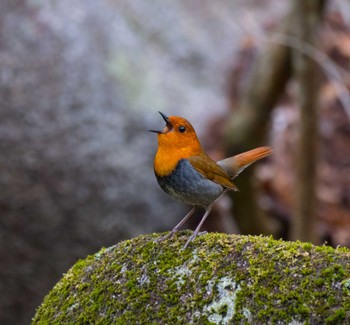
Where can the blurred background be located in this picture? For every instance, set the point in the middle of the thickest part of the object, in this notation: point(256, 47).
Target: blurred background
point(81, 83)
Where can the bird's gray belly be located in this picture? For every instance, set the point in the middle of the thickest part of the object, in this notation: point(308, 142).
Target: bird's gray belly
point(187, 185)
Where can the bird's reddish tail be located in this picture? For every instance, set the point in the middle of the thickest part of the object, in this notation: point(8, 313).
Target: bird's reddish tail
point(234, 165)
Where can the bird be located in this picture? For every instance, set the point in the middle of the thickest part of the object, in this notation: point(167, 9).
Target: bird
point(187, 173)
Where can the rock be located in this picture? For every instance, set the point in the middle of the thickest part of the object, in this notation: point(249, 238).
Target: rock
point(219, 279)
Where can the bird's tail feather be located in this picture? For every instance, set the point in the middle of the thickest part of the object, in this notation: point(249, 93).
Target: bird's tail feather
point(234, 165)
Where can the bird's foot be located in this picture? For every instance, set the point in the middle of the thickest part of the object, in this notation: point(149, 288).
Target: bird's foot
point(167, 236)
point(193, 237)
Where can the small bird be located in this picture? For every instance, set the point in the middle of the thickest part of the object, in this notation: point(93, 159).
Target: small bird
point(185, 171)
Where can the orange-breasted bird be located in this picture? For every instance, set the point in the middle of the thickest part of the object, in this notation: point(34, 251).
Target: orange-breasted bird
point(185, 171)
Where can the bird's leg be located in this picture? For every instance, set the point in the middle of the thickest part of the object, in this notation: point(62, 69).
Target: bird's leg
point(194, 235)
point(187, 216)
point(178, 226)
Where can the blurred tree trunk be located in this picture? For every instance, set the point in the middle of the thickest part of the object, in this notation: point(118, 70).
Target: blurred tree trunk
point(308, 15)
point(248, 126)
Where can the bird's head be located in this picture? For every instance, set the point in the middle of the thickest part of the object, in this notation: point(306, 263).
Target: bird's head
point(178, 134)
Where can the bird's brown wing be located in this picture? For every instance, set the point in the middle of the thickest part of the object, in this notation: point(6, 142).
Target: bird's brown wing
point(234, 165)
point(209, 169)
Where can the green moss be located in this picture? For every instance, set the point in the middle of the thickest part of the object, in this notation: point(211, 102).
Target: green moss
point(346, 284)
point(337, 317)
point(219, 279)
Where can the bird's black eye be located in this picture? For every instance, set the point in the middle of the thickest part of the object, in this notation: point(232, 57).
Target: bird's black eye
point(182, 129)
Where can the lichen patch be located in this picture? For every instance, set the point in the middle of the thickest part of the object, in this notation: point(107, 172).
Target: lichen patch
point(222, 309)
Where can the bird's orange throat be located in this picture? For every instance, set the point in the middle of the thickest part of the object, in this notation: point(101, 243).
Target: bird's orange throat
point(170, 152)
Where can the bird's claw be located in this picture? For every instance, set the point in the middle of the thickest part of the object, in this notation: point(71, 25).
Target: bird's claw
point(174, 231)
point(188, 242)
point(167, 236)
point(193, 237)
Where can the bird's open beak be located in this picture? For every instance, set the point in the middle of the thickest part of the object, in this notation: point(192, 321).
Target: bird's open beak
point(167, 127)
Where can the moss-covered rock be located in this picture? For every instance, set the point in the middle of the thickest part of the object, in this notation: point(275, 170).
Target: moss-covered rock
point(219, 279)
